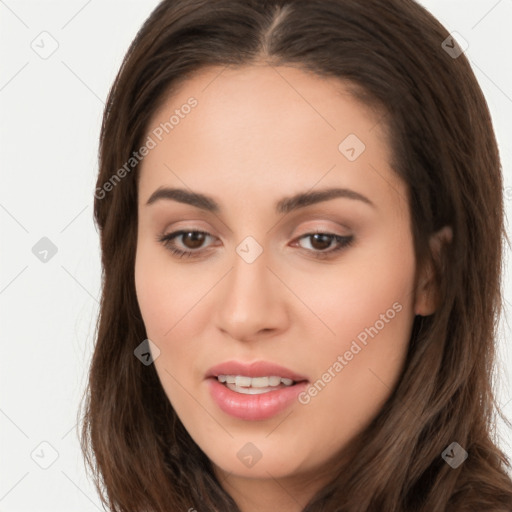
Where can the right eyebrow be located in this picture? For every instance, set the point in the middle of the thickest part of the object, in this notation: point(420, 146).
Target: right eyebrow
point(184, 196)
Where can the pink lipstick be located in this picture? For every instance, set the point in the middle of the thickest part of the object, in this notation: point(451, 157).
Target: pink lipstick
point(254, 391)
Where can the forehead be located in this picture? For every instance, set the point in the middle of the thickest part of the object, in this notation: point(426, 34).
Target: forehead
point(268, 127)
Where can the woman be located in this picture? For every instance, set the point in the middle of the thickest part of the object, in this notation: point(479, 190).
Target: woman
point(301, 216)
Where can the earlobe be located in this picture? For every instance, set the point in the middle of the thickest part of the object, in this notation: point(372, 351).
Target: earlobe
point(427, 289)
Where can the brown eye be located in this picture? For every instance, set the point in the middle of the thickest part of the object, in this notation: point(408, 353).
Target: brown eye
point(325, 245)
point(321, 241)
point(185, 243)
point(191, 244)
point(193, 239)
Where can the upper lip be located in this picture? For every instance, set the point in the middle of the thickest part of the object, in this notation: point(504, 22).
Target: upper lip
point(254, 369)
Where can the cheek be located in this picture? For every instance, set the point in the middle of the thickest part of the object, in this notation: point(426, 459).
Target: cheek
point(163, 303)
point(173, 305)
point(153, 295)
point(165, 296)
point(370, 311)
point(369, 289)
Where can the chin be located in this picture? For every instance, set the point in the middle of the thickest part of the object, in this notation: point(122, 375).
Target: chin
point(245, 459)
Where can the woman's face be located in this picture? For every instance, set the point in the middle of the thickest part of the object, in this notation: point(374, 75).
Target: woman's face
point(251, 158)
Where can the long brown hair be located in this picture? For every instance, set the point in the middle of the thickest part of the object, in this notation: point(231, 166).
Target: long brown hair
point(444, 148)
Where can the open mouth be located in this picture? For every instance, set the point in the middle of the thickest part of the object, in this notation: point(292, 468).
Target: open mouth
point(254, 385)
point(254, 391)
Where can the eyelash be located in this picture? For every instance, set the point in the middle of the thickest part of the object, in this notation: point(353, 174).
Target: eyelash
point(168, 242)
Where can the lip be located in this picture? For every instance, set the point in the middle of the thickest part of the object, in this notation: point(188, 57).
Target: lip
point(254, 407)
point(255, 369)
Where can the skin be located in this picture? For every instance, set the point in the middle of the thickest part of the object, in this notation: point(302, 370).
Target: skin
point(287, 306)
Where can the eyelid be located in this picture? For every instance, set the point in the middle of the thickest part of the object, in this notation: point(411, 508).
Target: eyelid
point(341, 242)
point(168, 237)
point(322, 229)
point(337, 230)
point(305, 230)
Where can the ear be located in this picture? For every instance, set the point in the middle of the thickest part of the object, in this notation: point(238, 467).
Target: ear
point(427, 289)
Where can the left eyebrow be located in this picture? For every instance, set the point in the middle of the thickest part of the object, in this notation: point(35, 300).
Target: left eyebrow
point(304, 199)
point(285, 205)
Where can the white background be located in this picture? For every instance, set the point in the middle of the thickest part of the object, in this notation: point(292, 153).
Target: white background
point(50, 119)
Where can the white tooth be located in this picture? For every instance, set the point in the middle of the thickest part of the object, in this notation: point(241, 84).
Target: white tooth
point(249, 391)
point(261, 382)
point(242, 381)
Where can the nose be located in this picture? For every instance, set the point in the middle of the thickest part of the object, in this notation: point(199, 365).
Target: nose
point(252, 301)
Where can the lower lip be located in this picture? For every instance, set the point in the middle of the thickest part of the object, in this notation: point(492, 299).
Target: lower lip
point(254, 407)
